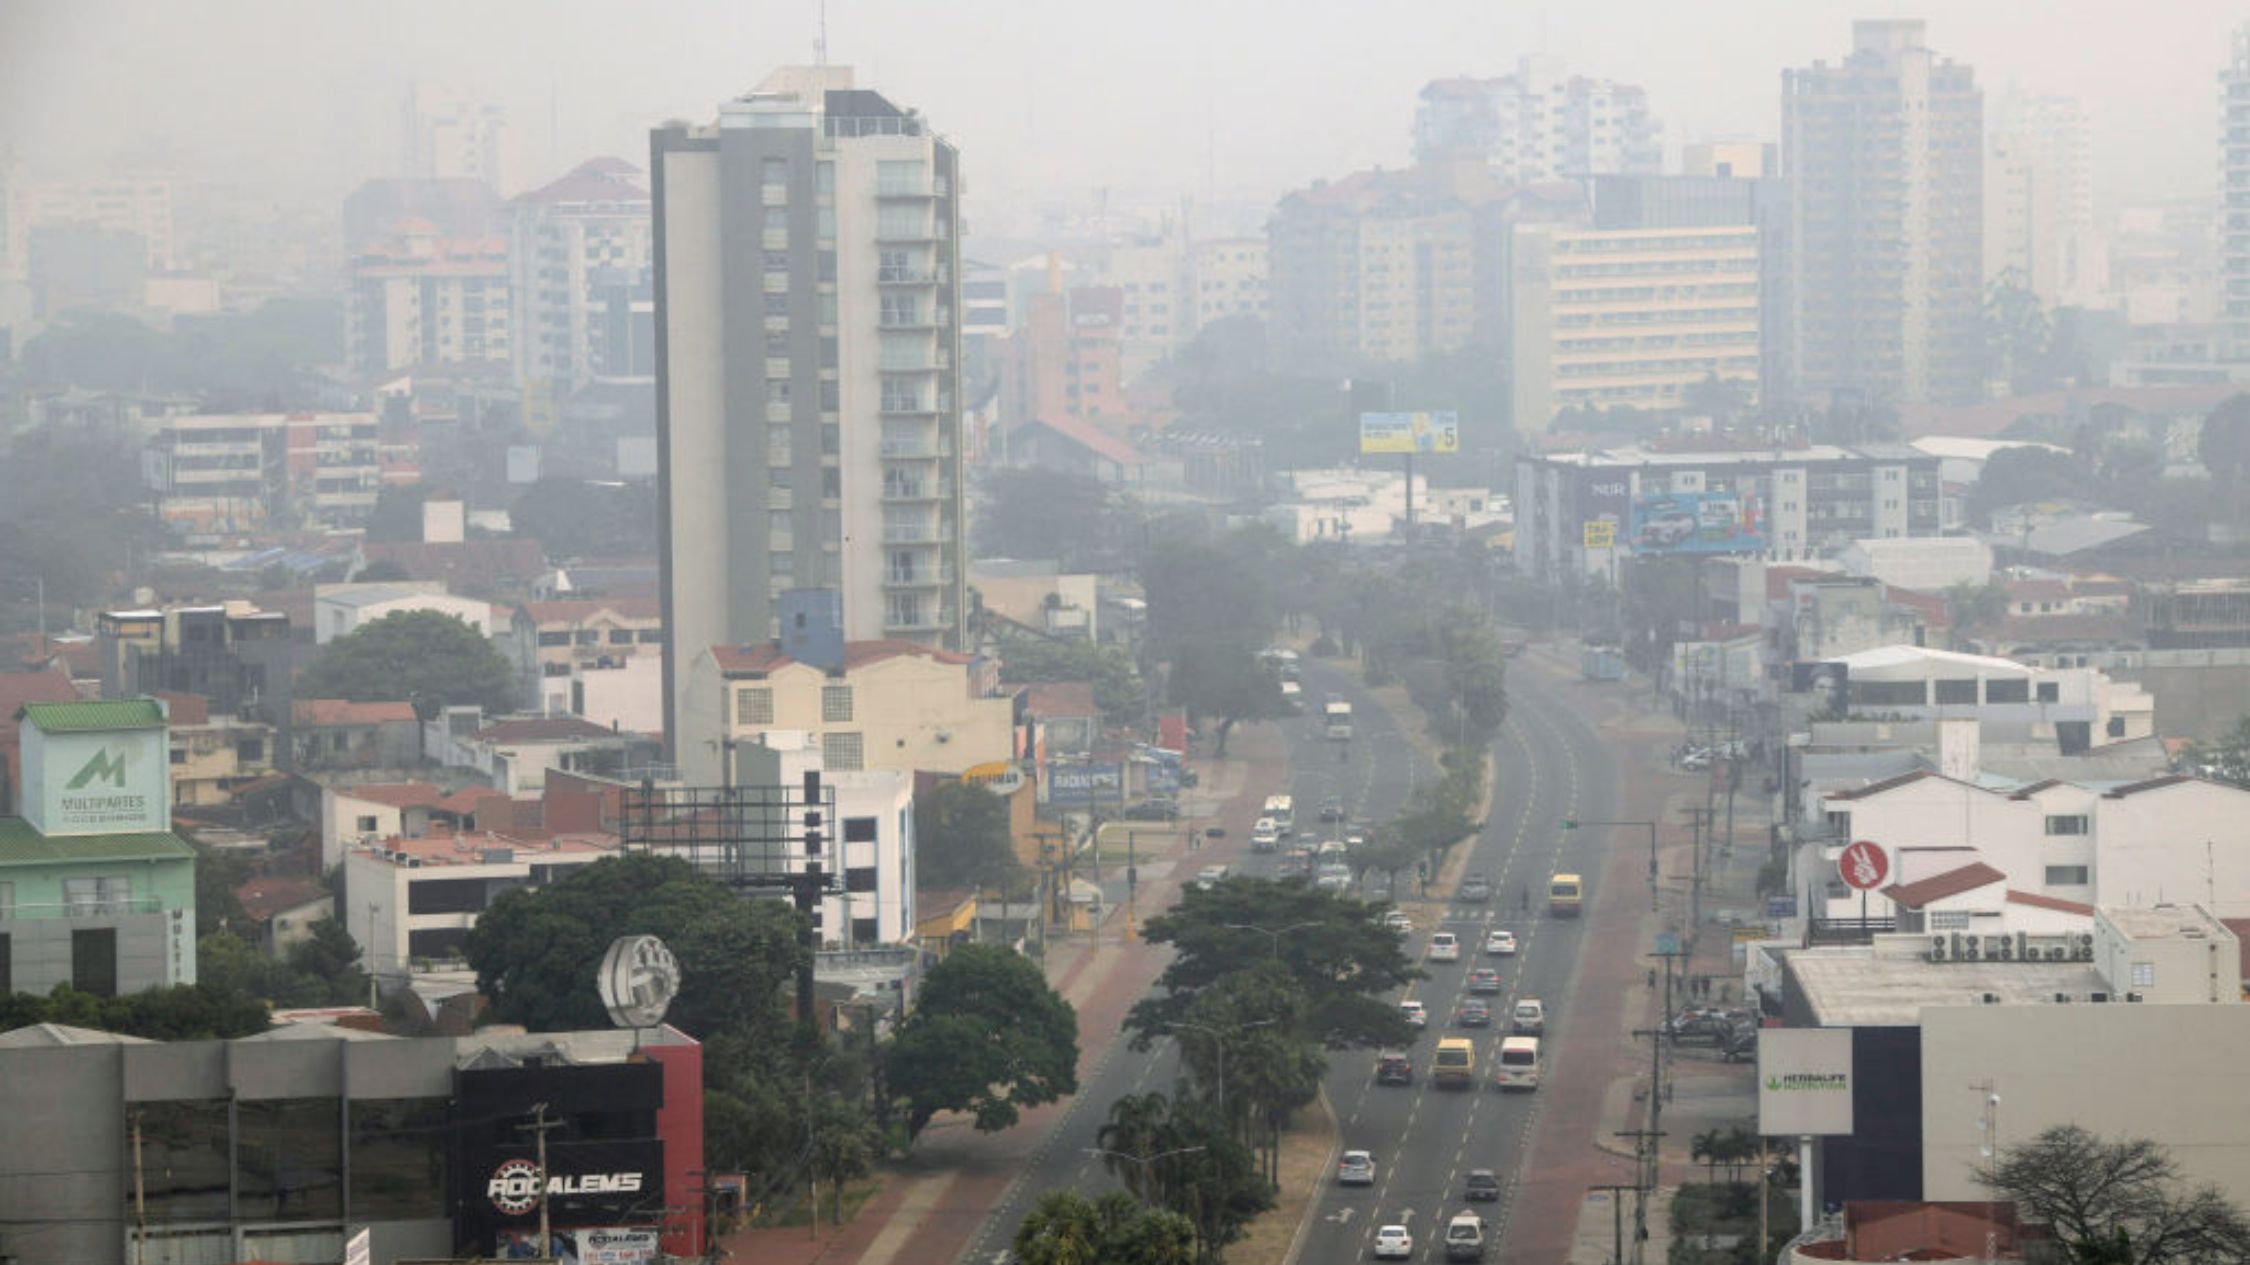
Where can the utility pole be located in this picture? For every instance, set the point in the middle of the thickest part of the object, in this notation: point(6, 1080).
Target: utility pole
point(1645, 1142)
point(538, 1129)
point(1616, 1220)
point(140, 1196)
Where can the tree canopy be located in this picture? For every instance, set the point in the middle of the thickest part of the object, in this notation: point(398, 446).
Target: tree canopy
point(962, 838)
point(409, 654)
point(2121, 1201)
point(1066, 1228)
point(1072, 519)
point(1211, 608)
point(2018, 476)
point(264, 359)
point(1118, 689)
point(321, 971)
point(988, 1037)
point(184, 1012)
point(2225, 760)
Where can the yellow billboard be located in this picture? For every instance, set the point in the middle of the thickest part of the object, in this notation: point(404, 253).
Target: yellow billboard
point(1409, 432)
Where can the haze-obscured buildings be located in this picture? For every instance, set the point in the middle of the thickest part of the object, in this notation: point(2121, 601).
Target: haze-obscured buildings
point(1538, 123)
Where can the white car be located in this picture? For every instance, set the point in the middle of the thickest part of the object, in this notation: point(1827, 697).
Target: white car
point(1355, 1168)
point(1414, 1013)
point(1446, 947)
point(1397, 921)
point(1266, 834)
point(1393, 1243)
point(1500, 944)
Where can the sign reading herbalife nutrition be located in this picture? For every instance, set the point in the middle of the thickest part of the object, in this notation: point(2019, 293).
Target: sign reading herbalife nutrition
point(1804, 1081)
point(104, 782)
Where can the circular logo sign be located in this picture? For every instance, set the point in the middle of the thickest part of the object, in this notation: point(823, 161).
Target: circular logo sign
point(638, 980)
point(514, 1188)
point(1001, 777)
point(1863, 865)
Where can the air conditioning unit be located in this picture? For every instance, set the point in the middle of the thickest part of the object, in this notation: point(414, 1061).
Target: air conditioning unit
point(2062, 997)
point(2132, 996)
point(2097, 997)
point(2085, 939)
point(1969, 948)
point(1992, 999)
point(2057, 954)
point(1937, 950)
point(2085, 953)
point(2003, 948)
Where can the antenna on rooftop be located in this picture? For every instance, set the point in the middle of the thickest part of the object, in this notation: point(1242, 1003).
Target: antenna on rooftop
point(820, 37)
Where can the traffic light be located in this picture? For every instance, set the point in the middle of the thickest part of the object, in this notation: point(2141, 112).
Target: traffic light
point(1421, 869)
point(1570, 823)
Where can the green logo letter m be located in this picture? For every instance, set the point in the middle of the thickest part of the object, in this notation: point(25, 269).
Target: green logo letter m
point(108, 765)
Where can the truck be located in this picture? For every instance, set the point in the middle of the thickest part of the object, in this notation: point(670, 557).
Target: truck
point(1464, 1237)
point(1337, 715)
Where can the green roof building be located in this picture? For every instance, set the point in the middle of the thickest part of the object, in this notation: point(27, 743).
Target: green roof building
point(95, 889)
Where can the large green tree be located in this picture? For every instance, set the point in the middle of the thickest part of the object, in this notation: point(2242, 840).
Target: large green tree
point(184, 1012)
point(412, 654)
point(2225, 760)
point(1211, 608)
point(1175, 1154)
point(961, 837)
point(1073, 520)
point(1118, 689)
point(536, 949)
point(988, 1037)
point(1066, 1228)
point(2123, 1201)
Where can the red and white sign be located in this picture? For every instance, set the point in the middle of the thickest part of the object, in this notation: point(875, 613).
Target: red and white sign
point(1863, 865)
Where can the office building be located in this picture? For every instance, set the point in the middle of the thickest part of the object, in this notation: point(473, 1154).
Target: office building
point(450, 137)
point(417, 299)
point(221, 472)
point(1884, 154)
point(808, 378)
point(1538, 123)
point(2039, 201)
point(1230, 275)
point(2234, 191)
point(578, 280)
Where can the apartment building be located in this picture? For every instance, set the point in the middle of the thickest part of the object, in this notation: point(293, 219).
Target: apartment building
point(214, 754)
point(1230, 277)
point(418, 299)
point(808, 275)
point(414, 901)
point(450, 136)
point(222, 472)
point(236, 656)
point(547, 640)
point(1537, 123)
point(1884, 150)
point(2039, 201)
point(1066, 359)
point(582, 306)
point(874, 836)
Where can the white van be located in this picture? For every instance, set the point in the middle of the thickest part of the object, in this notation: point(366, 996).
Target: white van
point(1211, 877)
point(1265, 836)
point(1518, 1067)
point(1283, 810)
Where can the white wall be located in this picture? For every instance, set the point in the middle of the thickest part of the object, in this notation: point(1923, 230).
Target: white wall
point(339, 823)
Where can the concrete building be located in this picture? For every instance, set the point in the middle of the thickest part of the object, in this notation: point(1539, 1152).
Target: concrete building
point(1884, 151)
point(1929, 564)
point(2234, 191)
point(2039, 201)
point(1066, 359)
point(95, 889)
point(2077, 708)
point(1584, 512)
point(1538, 123)
point(841, 338)
point(1230, 275)
point(547, 640)
point(452, 137)
point(875, 705)
point(1157, 300)
point(136, 206)
point(515, 755)
point(334, 734)
point(282, 910)
point(418, 299)
point(414, 901)
point(237, 657)
point(234, 472)
point(214, 754)
point(875, 830)
point(343, 609)
point(579, 258)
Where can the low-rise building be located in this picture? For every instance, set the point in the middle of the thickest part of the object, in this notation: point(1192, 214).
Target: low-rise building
point(213, 753)
point(515, 754)
point(342, 609)
point(234, 654)
point(547, 640)
point(875, 833)
point(334, 734)
point(2079, 708)
point(413, 901)
point(282, 910)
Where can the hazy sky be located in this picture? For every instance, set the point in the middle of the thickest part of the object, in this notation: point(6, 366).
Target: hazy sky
point(1048, 98)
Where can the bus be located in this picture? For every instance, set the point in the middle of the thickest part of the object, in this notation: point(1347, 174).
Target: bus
point(1338, 717)
point(1565, 893)
point(1455, 1066)
point(1519, 1064)
point(1283, 810)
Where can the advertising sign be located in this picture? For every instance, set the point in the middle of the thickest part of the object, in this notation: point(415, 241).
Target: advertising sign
point(359, 1249)
point(1409, 432)
point(1804, 1081)
point(1697, 522)
point(105, 782)
point(1604, 501)
point(1081, 785)
point(618, 1246)
point(1830, 684)
point(1001, 777)
point(1863, 865)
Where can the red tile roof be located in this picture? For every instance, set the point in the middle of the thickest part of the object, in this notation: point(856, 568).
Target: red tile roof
point(395, 794)
point(2057, 903)
point(1937, 887)
point(262, 898)
point(322, 712)
point(18, 688)
point(595, 180)
point(577, 610)
point(544, 729)
point(2241, 929)
point(2149, 784)
point(1092, 438)
point(2038, 591)
point(857, 654)
point(186, 709)
point(1778, 579)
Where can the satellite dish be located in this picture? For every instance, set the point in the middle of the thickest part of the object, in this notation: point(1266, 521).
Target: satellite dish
point(639, 978)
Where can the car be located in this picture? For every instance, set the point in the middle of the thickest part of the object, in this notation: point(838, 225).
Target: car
point(1154, 808)
point(1265, 836)
point(1476, 888)
point(1500, 944)
point(1484, 979)
point(1393, 1243)
point(1356, 1168)
point(1474, 1013)
point(1397, 921)
point(1331, 810)
point(1393, 1068)
point(1211, 876)
point(1445, 947)
point(1483, 1186)
point(1415, 1013)
point(1700, 758)
point(1528, 1019)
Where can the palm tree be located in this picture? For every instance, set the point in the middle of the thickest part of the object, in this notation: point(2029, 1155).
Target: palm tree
point(1139, 1125)
point(1059, 1230)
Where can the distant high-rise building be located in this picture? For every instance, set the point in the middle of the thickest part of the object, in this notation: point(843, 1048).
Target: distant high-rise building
point(2234, 190)
point(1538, 124)
point(808, 367)
point(1230, 279)
point(2039, 201)
point(418, 299)
point(450, 137)
point(579, 281)
point(1884, 156)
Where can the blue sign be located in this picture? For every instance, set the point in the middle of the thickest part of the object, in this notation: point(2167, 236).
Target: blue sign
point(1697, 522)
point(1081, 785)
point(1781, 906)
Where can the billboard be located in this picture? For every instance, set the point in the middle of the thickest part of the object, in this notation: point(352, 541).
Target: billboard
point(1409, 432)
point(617, 1246)
point(1804, 1081)
point(1830, 684)
point(114, 781)
point(1604, 497)
point(1697, 522)
point(1082, 785)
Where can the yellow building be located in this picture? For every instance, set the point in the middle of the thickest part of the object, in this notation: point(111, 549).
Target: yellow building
point(885, 705)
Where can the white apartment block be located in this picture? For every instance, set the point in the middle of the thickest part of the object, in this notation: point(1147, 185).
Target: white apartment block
point(872, 838)
point(2039, 202)
point(579, 254)
point(450, 137)
point(342, 609)
point(1538, 123)
point(808, 387)
point(414, 901)
point(2079, 709)
point(421, 300)
point(1230, 279)
point(232, 471)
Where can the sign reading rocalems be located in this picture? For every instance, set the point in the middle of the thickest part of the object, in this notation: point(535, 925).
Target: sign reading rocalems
point(1804, 1081)
point(1863, 865)
point(513, 1187)
point(104, 782)
point(1409, 432)
point(1001, 777)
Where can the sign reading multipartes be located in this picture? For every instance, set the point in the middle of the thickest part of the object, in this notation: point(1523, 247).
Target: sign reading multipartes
point(1804, 1081)
point(104, 782)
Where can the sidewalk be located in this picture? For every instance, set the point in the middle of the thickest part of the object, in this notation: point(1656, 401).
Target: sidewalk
point(935, 1201)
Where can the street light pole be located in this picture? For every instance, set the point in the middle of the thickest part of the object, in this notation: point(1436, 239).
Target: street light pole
point(1219, 1044)
point(1274, 932)
point(1143, 1160)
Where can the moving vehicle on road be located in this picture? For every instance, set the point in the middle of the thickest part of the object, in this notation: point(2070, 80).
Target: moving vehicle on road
point(1518, 1067)
point(1473, 1013)
point(1464, 1237)
point(1455, 1066)
point(1265, 836)
point(1336, 718)
point(1397, 921)
point(1500, 944)
point(1356, 1168)
point(1445, 947)
point(1334, 876)
point(1483, 1186)
point(1211, 876)
point(1393, 1068)
point(1283, 810)
point(1393, 1243)
point(1528, 1019)
point(1565, 893)
point(1484, 980)
point(1415, 1014)
point(1476, 889)
point(1332, 809)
